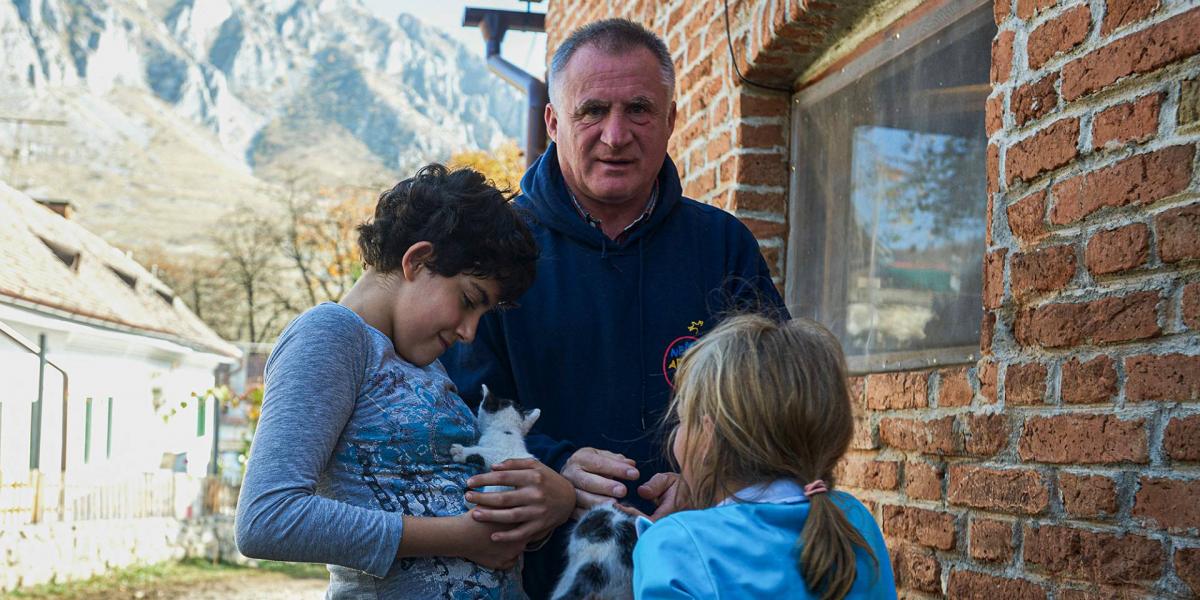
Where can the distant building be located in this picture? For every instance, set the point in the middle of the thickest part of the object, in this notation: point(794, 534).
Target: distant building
point(138, 361)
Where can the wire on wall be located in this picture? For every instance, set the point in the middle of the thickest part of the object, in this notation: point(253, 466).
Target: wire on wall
point(733, 59)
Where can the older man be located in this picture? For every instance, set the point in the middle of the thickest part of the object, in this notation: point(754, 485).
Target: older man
point(630, 274)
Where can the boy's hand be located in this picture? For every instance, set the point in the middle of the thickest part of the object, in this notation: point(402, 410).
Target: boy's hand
point(661, 490)
point(595, 474)
point(477, 545)
point(541, 501)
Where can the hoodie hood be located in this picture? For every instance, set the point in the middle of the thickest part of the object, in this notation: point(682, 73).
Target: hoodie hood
point(544, 192)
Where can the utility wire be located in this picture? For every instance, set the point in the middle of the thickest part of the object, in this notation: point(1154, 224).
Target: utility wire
point(733, 59)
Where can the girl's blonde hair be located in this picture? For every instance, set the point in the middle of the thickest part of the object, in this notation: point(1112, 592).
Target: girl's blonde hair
point(770, 399)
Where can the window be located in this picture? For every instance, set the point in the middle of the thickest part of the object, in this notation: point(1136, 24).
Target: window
point(889, 194)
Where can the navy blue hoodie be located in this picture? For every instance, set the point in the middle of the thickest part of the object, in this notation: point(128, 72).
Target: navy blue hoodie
point(594, 342)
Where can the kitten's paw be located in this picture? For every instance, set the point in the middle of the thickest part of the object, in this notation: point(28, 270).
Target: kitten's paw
point(458, 453)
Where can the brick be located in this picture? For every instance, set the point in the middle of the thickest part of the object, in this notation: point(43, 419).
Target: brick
point(1098, 592)
point(1137, 180)
point(1178, 233)
point(1187, 567)
point(987, 381)
point(761, 106)
point(701, 184)
point(1125, 318)
point(925, 527)
point(987, 330)
point(990, 540)
point(719, 145)
point(916, 568)
point(1035, 100)
point(1046, 150)
point(1117, 250)
point(758, 201)
point(1001, 9)
point(865, 473)
point(1091, 382)
point(1002, 56)
point(765, 230)
point(993, 278)
point(1181, 439)
point(1170, 377)
point(969, 585)
point(923, 481)
point(1093, 556)
point(935, 436)
point(985, 435)
point(1027, 217)
point(1025, 384)
point(1044, 270)
point(761, 169)
point(1169, 503)
point(1083, 439)
point(1109, 320)
point(1144, 51)
point(1190, 306)
point(857, 387)
point(1189, 103)
point(1058, 35)
point(760, 136)
point(993, 114)
point(1026, 9)
point(1088, 496)
point(993, 169)
point(1135, 121)
point(954, 389)
point(1020, 491)
point(897, 390)
point(1120, 13)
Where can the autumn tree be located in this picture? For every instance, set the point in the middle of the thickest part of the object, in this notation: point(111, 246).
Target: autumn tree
point(319, 240)
point(503, 165)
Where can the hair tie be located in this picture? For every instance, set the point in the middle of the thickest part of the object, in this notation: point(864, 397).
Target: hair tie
point(814, 488)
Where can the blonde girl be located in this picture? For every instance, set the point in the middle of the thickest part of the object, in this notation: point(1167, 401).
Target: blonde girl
point(764, 415)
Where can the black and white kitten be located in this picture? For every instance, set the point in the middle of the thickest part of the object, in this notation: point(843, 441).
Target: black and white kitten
point(502, 429)
point(599, 557)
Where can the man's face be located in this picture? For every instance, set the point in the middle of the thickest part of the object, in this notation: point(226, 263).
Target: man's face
point(612, 119)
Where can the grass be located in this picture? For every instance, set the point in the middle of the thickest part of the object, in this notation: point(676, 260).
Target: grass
point(145, 581)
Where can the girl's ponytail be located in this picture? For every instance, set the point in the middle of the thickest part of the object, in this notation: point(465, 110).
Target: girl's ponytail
point(828, 560)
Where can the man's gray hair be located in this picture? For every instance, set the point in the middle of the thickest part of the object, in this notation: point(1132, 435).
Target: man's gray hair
point(612, 36)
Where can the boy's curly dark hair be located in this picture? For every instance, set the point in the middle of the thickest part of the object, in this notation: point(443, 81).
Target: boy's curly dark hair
point(472, 226)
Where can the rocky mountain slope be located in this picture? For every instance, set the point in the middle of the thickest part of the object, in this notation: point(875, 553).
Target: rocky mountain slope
point(156, 116)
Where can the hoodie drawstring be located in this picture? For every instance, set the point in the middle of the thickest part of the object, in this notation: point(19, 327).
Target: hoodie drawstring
point(642, 326)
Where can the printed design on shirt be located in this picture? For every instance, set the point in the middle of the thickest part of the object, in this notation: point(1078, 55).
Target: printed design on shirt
point(675, 350)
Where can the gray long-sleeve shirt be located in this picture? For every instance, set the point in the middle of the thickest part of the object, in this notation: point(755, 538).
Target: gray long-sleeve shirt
point(351, 438)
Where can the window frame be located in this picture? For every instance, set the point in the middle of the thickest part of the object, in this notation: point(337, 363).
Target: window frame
point(808, 231)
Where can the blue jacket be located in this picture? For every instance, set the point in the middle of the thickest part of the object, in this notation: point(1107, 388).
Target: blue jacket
point(748, 550)
point(593, 342)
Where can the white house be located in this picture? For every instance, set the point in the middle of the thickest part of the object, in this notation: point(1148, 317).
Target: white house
point(138, 362)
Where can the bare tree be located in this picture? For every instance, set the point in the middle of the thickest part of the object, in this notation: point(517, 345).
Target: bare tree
point(248, 243)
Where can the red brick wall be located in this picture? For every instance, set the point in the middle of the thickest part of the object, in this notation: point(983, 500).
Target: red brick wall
point(1066, 463)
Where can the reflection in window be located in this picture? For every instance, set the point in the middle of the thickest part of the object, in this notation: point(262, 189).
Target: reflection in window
point(888, 225)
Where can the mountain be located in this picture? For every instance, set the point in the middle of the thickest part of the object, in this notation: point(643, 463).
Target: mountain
point(157, 116)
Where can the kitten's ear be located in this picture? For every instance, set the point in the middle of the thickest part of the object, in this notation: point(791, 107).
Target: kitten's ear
point(528, 419)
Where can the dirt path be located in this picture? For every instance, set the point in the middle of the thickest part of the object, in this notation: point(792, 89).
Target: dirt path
point(193, 584)
point(249, 585)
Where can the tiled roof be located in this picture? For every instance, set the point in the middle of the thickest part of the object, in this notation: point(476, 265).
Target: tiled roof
point(50, 263)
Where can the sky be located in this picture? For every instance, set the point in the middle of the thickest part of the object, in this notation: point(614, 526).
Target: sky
point(526, 50)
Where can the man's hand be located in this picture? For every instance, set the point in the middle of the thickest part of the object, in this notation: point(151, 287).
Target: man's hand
point(661, 490)
point(595, 474)
point(541, 501)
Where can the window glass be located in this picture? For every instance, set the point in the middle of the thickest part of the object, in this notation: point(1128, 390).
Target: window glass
point(888, 223)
